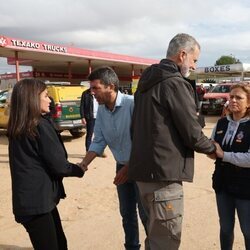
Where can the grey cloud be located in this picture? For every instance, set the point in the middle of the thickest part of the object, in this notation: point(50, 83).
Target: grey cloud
point(133, 27)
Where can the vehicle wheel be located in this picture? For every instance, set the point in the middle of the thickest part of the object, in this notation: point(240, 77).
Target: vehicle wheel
point(76, 133)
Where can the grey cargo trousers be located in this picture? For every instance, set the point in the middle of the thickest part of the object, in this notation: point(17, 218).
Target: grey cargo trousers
point(163, 203)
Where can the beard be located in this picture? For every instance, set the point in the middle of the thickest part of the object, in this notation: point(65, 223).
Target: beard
point(185, 71)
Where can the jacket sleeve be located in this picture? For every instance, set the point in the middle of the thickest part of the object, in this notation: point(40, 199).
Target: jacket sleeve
point(53, 154)
point(180, 100)
point(239, 159)
point(82, 106)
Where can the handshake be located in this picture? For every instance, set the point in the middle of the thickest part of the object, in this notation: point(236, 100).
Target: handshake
point(219, 153)
point(83, 166)
point(121, 176)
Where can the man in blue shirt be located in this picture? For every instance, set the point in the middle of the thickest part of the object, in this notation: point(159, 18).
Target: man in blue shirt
point(112, 128)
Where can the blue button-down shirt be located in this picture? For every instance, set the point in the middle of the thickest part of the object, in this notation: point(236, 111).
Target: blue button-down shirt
point(112, 128)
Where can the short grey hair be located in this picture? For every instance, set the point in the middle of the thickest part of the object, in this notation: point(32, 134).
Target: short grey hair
point(182, 41)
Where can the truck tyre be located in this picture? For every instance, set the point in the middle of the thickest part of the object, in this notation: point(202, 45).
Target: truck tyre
point(77, 133)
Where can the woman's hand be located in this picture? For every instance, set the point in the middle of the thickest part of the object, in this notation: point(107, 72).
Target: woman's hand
point(219, 151)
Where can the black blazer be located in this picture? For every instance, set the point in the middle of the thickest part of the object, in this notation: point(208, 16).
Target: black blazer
point(37, 169)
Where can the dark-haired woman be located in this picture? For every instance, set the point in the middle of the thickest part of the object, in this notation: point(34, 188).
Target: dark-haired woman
point(38, 163)
point(231, 178)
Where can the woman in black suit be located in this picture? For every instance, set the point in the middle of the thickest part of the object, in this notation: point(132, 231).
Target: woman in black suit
point(38, 163)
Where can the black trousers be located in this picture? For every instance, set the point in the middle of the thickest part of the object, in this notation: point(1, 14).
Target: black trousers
point(46, 232)
point(90, 124)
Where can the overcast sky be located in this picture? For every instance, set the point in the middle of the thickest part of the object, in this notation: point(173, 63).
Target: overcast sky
point(132, 27)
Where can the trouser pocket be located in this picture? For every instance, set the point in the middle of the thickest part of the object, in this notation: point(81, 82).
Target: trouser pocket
point(168, 209)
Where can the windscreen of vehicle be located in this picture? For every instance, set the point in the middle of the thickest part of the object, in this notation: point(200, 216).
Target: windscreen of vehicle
point(221, 89)
point(69, 93)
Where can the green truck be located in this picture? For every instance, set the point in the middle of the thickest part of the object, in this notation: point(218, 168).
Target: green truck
point(66, 111)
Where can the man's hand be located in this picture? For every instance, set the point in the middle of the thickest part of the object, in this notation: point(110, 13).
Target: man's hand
point(83, 121)
point(219, 153)
point(121, 176)
point(89, 157)
point(83, 166)
point(212, 156)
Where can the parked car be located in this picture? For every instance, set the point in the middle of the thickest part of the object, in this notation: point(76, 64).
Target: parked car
point(66, 111)
point(4, 107)
point(214, 100)
point(207, 86)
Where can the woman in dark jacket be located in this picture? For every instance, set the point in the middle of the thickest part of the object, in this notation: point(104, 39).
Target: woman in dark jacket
point(231, 178)
point(38, 163)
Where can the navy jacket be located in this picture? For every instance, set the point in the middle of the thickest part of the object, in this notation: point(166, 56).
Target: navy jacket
point(87, 106)
point(228, 177)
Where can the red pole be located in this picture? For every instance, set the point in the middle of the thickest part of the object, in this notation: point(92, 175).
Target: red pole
point(133, 71)
point(17, 66)
point(69, 71)
point(90, 67)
